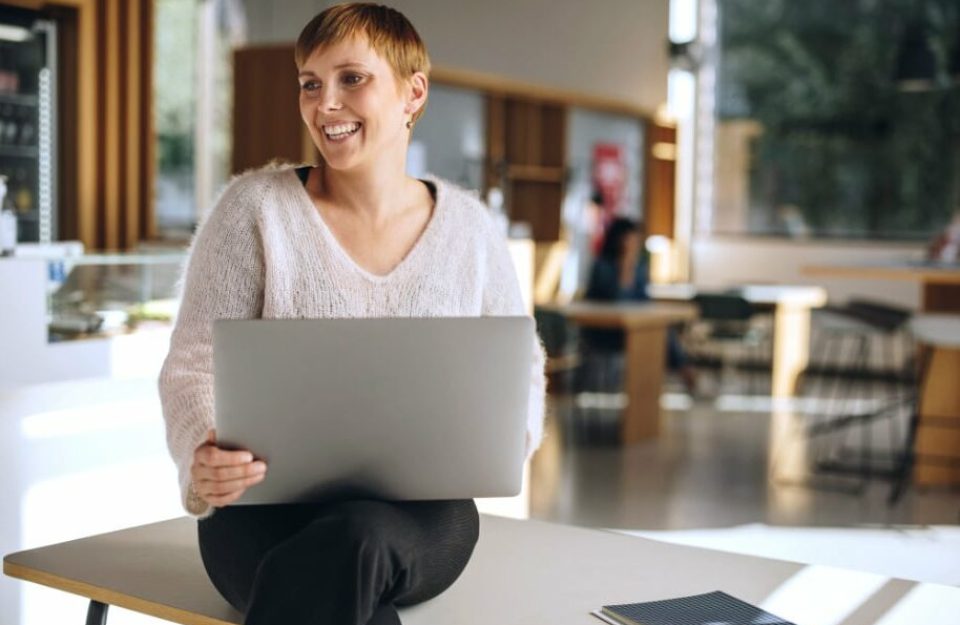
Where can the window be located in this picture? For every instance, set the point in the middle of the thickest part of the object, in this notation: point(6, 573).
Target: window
point(825, 128)
point(192, 103)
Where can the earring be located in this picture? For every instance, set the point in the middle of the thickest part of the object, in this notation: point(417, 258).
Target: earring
point(409, 123)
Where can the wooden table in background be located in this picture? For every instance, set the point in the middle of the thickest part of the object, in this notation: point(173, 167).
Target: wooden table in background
point(645, 325)
point(938, 433)
point(940, 281)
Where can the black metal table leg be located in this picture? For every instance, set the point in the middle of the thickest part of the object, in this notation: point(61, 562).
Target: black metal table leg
point(97, 613)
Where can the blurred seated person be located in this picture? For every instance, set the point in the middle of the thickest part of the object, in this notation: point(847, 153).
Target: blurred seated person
point(620, 274)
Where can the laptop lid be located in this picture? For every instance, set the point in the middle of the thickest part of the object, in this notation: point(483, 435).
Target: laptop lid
point(394, 408)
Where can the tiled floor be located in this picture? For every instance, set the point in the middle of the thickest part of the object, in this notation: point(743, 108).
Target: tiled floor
point(733, 473)
point(712, 468)
point(89, 456)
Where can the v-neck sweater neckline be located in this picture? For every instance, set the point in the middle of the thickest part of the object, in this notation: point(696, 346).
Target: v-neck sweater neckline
point(423, 241)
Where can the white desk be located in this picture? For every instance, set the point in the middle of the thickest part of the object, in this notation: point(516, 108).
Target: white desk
point(522, 572)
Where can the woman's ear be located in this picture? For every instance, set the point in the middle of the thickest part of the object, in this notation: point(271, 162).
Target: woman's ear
point(419, 85)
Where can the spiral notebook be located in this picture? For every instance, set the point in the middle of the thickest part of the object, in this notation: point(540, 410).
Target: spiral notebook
point(707, 609)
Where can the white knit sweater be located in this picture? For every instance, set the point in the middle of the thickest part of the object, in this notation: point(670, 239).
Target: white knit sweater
point(264, 251)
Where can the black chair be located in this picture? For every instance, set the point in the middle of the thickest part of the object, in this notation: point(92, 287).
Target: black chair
point(585, 372)
point(859, 385)
point(726, 322)
point(560, 341)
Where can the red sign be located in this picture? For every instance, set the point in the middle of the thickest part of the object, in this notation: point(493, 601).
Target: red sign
point(610, 182)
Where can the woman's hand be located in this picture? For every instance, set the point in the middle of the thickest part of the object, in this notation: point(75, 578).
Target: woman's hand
point(219, 476)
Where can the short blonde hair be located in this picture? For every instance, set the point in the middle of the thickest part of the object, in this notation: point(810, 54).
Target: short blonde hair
point(390, 33)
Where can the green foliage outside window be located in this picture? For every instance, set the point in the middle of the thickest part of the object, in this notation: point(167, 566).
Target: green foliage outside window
point(175, 83)
point(841, 140)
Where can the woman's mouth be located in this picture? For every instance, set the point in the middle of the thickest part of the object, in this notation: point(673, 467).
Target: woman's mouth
point(340, 132)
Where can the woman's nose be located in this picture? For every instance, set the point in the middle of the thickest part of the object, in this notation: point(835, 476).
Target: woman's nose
point(329, 100)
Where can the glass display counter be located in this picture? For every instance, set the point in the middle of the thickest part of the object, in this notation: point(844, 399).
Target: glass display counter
point(97, 295)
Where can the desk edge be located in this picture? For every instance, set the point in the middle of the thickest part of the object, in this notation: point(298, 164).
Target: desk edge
point(109, 597)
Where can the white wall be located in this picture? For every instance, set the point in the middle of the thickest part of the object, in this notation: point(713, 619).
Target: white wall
point(609, 48)
point(452, 134)
point(724, 261)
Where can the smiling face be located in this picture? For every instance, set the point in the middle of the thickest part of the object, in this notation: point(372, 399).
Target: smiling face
point(354, 106)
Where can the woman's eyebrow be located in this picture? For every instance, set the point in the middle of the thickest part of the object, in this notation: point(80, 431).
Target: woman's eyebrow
point(349, 64)
point(307, 72)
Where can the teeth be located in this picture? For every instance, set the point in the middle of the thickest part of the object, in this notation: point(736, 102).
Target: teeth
point(341, 129)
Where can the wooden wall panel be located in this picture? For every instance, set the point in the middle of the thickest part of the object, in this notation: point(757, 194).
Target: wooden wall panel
point(86, 161)
point(106, 144)
point(537, 203)
point(554, 136)
point(266, 109)
point(142, 105)
point(110, 121)
point(129, 131)
point(661, 167)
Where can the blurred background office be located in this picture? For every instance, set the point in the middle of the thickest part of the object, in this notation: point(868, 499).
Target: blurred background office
point(795, 168)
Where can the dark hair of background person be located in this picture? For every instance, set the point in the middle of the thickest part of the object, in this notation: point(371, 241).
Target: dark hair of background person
point(617, 231)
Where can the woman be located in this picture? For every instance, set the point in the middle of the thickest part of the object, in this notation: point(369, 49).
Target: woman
point(619, 273)
point(353, 237)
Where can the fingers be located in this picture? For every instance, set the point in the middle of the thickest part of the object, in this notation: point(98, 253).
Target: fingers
point(223, 485)
point(220, 476)
point(212, 456)
point(227, 473)
point(224, 500)
point(214, 492)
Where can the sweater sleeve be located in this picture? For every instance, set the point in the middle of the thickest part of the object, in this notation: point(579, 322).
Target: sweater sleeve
point(223, 279)
point(502, 296)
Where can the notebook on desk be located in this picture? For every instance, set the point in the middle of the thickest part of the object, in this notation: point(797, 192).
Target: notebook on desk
point(707, 609)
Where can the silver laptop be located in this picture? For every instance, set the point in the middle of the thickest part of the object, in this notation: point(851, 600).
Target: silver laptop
point(396, 409)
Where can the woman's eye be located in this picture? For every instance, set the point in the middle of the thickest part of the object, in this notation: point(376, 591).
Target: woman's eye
point(309, 85)
point(352, 79)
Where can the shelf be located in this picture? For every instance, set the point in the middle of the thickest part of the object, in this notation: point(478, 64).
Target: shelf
point(536, 173)
point(22, 99)
point(19, 151)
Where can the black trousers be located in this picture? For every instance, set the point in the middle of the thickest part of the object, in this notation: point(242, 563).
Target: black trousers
point(343, 563)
